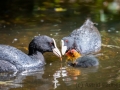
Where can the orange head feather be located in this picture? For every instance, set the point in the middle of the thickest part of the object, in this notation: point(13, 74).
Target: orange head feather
point(72, 55)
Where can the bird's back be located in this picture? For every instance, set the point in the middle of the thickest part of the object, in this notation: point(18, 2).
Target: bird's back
point(88, 38)
point(15, 57)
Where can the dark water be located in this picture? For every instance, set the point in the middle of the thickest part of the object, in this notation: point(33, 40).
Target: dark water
point(57, 75)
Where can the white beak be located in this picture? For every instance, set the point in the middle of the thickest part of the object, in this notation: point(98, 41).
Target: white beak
point(56, 50)
point(63, 47)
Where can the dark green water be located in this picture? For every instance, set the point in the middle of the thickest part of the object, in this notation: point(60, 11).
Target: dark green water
point(57, 75)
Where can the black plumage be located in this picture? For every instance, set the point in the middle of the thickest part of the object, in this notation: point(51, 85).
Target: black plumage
point(85, 40)
point(86, 61)
point(13, 60)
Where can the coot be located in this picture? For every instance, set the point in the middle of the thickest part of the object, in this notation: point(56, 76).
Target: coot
point(85, 40)
point(14, 60)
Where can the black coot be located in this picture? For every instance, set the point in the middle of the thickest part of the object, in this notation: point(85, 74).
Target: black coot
point(85, 40)
point(13, 60)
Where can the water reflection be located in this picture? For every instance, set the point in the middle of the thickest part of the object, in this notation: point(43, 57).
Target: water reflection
point(58, 75)
point(18, 27)
point(36, 80)
point(70, 75)
point(20, 79)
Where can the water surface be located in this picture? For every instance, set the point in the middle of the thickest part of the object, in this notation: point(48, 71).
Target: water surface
point(58, 75)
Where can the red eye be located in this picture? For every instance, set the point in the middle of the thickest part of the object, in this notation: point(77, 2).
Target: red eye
point(66, 40)
point(51, 43)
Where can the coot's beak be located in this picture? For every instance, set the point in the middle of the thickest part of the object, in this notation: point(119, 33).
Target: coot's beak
point(63, 47)
point(56, 50)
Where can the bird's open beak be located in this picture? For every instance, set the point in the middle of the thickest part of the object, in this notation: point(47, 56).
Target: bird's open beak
point(63, 47)
point(56, 50)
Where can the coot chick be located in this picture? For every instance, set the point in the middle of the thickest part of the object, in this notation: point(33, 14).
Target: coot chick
point(81, 61)
point(85, 61)
point(84, 40)
point(14, 60)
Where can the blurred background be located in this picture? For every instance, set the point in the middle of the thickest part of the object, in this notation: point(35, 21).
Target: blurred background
point(21, 20)
point(37, 12)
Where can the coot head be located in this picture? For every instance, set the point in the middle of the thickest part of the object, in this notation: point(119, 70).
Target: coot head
point(67, 43)
point(43, 44)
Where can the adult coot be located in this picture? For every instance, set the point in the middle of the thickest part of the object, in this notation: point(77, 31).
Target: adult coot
point(13, 60)
point(85, 40)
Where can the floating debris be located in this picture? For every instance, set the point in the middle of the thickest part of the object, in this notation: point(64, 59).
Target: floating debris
point(51, 34)
point(117, 31)
point(42, 20)
point(50, 64)
point(14, 40)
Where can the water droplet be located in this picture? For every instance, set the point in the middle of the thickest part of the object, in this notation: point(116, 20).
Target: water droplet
point(59, 29)
point(56, 25)
point(50, 64)
point(109, 30)
point(35, 36)
point(56, 33)
point(117, 31)
point(42, 20)
point(4, 26)
point(15, 39)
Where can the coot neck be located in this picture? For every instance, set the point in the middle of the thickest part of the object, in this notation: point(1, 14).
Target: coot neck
point(34, 52)
point(36, 55)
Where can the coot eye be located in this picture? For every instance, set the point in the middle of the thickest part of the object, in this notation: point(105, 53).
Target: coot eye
point(66, 41)
point(51, 43)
